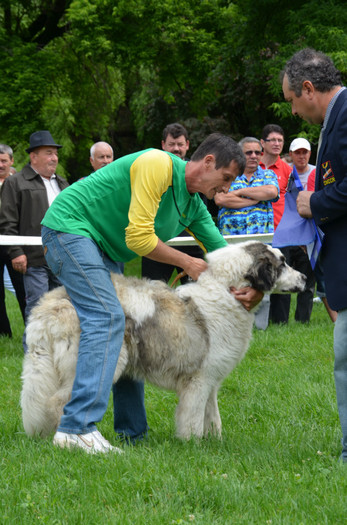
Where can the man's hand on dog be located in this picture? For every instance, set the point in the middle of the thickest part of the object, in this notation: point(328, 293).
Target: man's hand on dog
point(195, 267)
point(248, 297)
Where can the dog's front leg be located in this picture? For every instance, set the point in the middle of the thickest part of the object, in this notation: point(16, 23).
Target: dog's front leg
point(190, 411)
point(212, 420)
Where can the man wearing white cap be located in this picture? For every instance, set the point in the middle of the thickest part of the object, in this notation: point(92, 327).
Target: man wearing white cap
point(300, 152)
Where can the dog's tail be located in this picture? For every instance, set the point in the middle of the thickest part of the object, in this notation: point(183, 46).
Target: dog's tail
point(48, 361)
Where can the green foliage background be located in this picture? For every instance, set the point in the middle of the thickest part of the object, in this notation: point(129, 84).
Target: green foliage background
point(121, 70)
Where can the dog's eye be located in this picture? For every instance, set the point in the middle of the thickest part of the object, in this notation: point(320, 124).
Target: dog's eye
point(281, 266)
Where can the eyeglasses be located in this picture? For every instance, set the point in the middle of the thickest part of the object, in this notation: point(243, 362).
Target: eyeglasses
point(280, 141)
point(255, 151)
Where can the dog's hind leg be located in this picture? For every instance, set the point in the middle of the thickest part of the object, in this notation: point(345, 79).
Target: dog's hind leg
point(190, 410)
point(212, 420)
point(121, 363)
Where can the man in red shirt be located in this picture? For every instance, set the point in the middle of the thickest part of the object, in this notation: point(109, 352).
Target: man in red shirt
point(272, 141)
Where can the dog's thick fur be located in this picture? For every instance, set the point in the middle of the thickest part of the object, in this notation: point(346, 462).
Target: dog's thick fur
point(188, 339)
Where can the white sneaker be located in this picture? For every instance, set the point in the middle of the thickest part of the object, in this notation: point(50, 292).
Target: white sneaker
point(92, 442)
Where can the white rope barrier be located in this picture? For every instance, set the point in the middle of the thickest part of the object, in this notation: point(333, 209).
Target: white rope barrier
point(17, 240)
point(231, 239)
point(14, 240)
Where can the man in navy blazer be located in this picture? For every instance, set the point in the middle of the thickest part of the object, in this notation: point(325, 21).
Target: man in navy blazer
point(313, 86)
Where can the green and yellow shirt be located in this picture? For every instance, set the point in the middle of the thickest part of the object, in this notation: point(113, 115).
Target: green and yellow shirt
point(128, 204)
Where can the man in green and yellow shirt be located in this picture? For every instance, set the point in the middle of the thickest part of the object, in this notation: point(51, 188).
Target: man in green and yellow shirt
point(129, 208)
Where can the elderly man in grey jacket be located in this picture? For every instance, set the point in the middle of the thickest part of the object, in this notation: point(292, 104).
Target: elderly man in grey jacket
point(25, 198)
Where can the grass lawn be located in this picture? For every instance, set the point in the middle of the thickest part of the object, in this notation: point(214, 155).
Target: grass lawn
point(277, 462)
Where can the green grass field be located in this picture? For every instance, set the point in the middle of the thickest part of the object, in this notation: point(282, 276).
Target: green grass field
point(277, 462)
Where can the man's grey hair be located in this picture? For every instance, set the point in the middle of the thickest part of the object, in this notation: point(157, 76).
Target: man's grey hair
point(312, 65)
point(248, 140)
point(92, 149)
point(6, 150)
point(224, 148)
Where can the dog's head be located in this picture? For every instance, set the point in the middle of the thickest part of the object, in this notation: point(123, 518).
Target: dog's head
point(270, 272)
point(255, 264)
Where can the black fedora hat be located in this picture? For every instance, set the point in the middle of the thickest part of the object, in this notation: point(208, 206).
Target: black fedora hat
point(41, 138)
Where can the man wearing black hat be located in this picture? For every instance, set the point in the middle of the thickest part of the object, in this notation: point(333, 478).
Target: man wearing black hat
point(25, 198)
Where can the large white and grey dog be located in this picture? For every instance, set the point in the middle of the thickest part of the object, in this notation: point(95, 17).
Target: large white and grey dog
point(188, 339)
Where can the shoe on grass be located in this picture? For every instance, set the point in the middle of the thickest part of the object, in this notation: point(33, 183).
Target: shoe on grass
point(92, 442)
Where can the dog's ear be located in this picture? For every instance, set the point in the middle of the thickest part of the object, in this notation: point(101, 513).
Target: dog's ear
point(262, 275)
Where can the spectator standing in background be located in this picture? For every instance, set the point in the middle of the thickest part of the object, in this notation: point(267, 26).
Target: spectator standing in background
point(300, 153)
point(6, 162)
point(101, 154)
point(175, 140)
point(247, 207)
point(272, 141)
point(26, 196)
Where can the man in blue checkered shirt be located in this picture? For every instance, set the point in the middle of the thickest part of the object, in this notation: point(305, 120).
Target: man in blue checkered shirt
point(247, 207)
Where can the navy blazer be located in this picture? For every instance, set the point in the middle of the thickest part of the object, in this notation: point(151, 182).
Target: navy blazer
point(329, 203)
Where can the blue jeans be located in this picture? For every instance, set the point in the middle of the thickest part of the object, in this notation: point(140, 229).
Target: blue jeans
point(340, 372)
point(84, 270)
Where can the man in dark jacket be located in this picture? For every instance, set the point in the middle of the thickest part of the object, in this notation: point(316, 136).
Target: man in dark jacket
point(313, 86)
point(25, 198)
point(6, 162)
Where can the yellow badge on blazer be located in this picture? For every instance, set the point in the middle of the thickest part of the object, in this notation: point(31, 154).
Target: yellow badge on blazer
point(328, 174)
